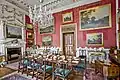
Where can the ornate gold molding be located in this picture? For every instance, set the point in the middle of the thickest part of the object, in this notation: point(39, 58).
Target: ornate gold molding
point(68, 28)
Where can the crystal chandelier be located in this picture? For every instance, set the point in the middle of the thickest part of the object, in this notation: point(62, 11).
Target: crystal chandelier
point(41, 14)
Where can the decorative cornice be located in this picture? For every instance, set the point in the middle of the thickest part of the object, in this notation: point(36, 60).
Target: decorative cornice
point(76, 4)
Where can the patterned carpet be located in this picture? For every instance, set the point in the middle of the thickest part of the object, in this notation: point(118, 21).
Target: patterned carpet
point(15, 77)
point(13, 66)
point(87, 74)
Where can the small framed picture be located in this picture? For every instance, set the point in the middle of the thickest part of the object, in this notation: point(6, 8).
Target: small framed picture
point(95, 39)
point(30, 35)
point(47, 40)
point(30, 42)
point(29, 26)
point(67, 17)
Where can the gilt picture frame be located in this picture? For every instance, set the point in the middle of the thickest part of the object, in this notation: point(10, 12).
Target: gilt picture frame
point(49, 29)
point(95, 18)
point(67, 17)
point(29, 26)
point(12, 31)
point(94, 39)
point(30, 35)
point(47, 40)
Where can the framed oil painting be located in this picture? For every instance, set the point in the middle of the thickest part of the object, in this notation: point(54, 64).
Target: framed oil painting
point(29, 26)
point(30, 42)
point(95, 39)
point(119, 37)
point(47, 29)
point(46, 40)
point(95, 18)
point(13, 32)
point(67, 17)
point(30, 35)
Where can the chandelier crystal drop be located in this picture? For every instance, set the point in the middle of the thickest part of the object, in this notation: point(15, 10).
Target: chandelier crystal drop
point(41, 14)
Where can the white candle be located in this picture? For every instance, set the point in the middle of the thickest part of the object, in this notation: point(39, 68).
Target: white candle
point(40, 8)
point(45, 8)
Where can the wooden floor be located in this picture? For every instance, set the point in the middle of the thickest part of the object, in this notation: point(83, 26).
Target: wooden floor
point(5, 71)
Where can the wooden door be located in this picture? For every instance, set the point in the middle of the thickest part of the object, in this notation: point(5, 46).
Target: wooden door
point(68, 43)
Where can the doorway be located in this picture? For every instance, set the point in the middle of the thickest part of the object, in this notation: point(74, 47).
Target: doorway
point(68, 39)
point(68, 43)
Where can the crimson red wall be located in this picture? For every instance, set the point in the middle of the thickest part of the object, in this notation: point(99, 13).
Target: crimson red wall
point(119, 3)
point(27, 21)
point(109, 34)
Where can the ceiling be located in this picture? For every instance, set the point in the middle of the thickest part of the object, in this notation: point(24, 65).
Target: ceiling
point(24, 4)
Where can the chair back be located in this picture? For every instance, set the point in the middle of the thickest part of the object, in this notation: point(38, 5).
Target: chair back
point(39, 61)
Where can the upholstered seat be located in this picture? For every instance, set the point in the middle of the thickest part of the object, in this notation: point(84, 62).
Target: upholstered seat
point(81, 65)
point(36, 65)
point(42, 68)
point(47, 68)
point(62, 72)
point(23, 64)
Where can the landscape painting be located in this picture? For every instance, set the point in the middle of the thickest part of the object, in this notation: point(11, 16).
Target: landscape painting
point(95, 18)
point(47, 29)
point(67, 17)
point(46, 40)
point(13, 32)
point(94, 39)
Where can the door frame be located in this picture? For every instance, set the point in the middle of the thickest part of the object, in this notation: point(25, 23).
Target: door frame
point(64, 50)
point(67, 29)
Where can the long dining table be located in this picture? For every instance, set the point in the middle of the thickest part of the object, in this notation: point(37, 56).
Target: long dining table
point(55, 59)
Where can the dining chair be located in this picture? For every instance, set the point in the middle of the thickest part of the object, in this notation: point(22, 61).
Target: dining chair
point(38, 71)
point(22, 65)
point(62, 71)
point(44, 70)
point(30, 66)
point(81, 66)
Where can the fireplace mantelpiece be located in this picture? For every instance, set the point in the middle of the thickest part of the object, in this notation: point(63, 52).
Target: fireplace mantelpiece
point(14, 44)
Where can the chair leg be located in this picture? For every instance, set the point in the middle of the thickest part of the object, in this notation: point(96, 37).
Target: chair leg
point(53, 77)
point(27, 71)
point(18, 70)
point(37, 74)
point(33, 73)
point(44, 76)
point(22, 70)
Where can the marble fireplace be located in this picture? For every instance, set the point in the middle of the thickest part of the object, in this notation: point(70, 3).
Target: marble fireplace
point(14, 50)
